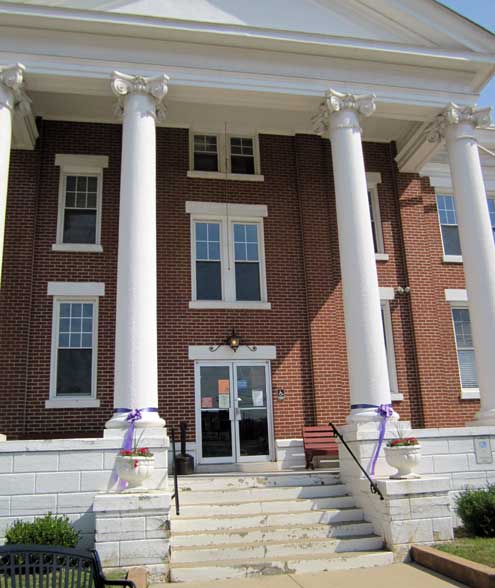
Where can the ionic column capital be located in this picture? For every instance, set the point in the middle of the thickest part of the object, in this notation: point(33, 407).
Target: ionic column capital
point(12, 79)
point(454, 115)
point(124, 85)
point(355, 105)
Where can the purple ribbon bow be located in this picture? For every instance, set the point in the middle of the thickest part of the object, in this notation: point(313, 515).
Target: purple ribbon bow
point(385, 411)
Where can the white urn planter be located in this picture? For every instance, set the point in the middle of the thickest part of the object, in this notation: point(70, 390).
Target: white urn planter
point(134, 469)
point(406, 458)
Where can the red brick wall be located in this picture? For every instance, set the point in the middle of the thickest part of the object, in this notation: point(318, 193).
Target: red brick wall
point(303, 279)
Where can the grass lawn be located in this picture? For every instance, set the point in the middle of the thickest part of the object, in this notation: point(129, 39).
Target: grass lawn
point(478, 549)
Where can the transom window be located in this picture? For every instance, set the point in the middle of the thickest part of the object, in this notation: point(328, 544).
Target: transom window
point(465, 348)
point(75, 353)
point(448, 223)
point(227, 254)
point(80, 200)
point(228, 155)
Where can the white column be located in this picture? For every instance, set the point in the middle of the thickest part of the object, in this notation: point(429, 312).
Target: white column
point(457, 125)
point(136, 349)
point(366, 354)
point(11, 97)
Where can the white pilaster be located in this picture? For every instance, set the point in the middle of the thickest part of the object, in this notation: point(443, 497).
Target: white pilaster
point(136, 350)
point(11, 97)
point(457, 125)
point(366, 355)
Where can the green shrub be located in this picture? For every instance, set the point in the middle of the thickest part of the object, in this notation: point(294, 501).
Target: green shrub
point(47, 530)
point(476, 509)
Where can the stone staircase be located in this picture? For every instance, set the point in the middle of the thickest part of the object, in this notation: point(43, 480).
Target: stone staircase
point(238, 526)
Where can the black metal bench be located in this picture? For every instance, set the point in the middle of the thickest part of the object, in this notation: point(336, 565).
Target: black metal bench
point(44, 566)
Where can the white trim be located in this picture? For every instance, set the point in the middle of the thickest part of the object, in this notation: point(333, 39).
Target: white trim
point(55, 400)
point(222, 176)
point(225, 353)
point(470, 393)
point(221, 304)
point(389, 338)
point(77, 247)
point(88, 163)
point(382, 256)
point(60, 402)
point(373, 179)
point(451, 258)
point(76, 289)
point(218, 208)
point(387, 293)
point(456, 295)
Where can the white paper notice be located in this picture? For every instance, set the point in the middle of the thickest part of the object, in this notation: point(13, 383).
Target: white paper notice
point(258, 398)
point(223, 401)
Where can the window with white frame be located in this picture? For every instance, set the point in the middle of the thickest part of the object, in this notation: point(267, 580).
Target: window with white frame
point(448, 223)
point(465, 348)
point(389, 347)
point(227, 255)
point(74, 344)
point(80, 202)
point(373, 179)
point(220, 155)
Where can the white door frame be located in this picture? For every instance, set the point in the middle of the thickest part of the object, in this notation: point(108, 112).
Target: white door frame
point(231, 364)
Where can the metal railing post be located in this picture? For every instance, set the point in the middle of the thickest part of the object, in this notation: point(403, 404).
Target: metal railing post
point(175, 495)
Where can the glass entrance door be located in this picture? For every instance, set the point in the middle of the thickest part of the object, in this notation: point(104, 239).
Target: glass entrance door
point(233, 412)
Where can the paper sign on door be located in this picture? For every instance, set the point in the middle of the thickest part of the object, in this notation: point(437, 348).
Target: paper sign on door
point(224, 401)
point(207, 402)
point(258, 398)
point(223, 386)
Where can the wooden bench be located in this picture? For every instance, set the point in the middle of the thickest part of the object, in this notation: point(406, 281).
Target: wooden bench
point(45, 566)
point(318, 441)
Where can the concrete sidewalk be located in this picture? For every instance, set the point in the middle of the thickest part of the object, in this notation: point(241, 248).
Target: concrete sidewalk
point(392, 576)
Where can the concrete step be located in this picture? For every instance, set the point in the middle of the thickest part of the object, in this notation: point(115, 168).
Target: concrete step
point(275, 549)
point(264, 493)
point(308, 517)
point(253, 508)
point(202, 482)
point(316, 562)
point(283, 533)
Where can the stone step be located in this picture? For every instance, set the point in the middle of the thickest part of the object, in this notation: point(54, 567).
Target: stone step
point(283, 533)
point(316, 562)
point(275, 549)
point(309, 517)
point(202, 482)
point(264, 507)
point(256, 493)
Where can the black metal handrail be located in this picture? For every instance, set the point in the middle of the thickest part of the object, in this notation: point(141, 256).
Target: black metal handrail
point(175, 495)
point(373, 487)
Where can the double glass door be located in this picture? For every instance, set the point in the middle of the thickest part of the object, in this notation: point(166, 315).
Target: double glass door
point(233, 411)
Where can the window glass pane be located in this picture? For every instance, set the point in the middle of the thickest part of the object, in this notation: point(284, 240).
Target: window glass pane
point(79, 226)
point(373, 225)
point(247, 281)
point(65, 310)
point(74, 369)
point(239, 233)
point(469, 377)
point(75, 340)
point(75, 325)
point(201, 250)
point(82, 183)
point(462, 325)
point(208, 247)
point(246, 242)
point(91, 201)
point(205, 162)
point(451, 241)
point(70, 200)
point(213, 250)
point(241, 164)
point(213, 232)
point(208, 280)
point(87, 310)
point(491, 210)
point(87, 340)
point(70, 183)
point(63, 340)
point(446, 210)
point(201, 232)
point(205, 153)
point(64, 325)
point(87, 325)
point(252, 252)
point(240, 252)
point(92, 184)
point(251, 233)
point(465, 351)
point(76, 309)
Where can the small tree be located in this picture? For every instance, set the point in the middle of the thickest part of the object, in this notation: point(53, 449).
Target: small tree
point(46, 530)
point(476, 509)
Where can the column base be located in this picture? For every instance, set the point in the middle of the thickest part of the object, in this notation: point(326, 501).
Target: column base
point(148, 420)
point(368, 415)
point(483, 418)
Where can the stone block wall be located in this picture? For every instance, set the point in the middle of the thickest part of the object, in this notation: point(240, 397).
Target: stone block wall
point(63, 476)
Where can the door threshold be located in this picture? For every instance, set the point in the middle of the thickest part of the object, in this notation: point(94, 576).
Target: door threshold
point(248, 467)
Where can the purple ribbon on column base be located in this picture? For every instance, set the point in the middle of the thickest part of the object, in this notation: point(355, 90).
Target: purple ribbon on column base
point(385, 411)
point(133, 416)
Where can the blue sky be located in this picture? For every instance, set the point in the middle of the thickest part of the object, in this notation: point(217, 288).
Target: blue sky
point(482, 12)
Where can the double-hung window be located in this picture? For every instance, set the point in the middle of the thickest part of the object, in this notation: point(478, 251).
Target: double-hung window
point(80, 201)
point(465, 349)
point(387, 294)
point(223, 156)
point(373, 179)
point(74, 344)
point(227, 255)
point(449, 229)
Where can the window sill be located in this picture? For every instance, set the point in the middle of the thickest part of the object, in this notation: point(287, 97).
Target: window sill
point(470, 394)
point(382, 256)
point(72, 403)
point(221, 304)
point(452, 258)
point(225, 176)
point(77, 247)
point(397, 396)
